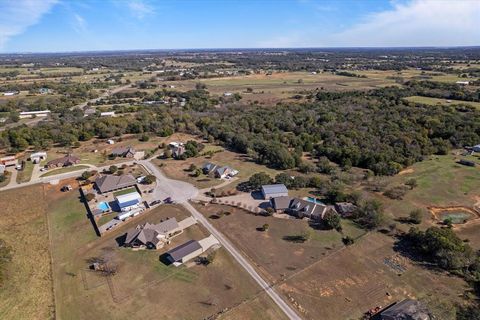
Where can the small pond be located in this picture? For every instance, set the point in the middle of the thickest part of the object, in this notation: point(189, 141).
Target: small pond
point(457, 216)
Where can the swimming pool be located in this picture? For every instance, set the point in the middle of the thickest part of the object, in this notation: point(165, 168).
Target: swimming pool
point(314, 200)
point(103, 206)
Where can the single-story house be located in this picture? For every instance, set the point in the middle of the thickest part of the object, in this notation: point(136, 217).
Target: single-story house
point(66, 161)
point(300, 208)
point(345, 209)
point(126, 152)
point(11, 93)
point(270, 191)
point(109, 183)
point(222, 172)
point(282, 203)
point(156, 235)
point(190, 250)
point(38, 156)
point(184, 252)
point(9, 161)
point(406, 309)
point(31, 114)
point(208, 167)
point(129, 201)
point(89, 111)
point(175, 144)
point(107, 114)
point(463, 83)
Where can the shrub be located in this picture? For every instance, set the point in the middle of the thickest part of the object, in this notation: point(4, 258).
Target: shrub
point(149, 179)
point(396, 193)
point(412, 183)
point(89, 197)
point(416, 216)
point(347, 240)
point(113, 169)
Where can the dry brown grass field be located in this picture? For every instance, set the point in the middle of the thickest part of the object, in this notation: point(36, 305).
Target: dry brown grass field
point(143, 286)
point(27, 292)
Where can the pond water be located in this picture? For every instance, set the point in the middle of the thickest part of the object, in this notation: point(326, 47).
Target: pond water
point(456, 216)
point(314, 200)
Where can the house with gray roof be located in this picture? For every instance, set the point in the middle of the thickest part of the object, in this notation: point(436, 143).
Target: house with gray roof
point(208, 167)
point(108, 183)
point(300, 208)
point(125, 152)
point(68, 160)
point(270, 191)
point(184, 252)
point(191, 249)
point(155, 236)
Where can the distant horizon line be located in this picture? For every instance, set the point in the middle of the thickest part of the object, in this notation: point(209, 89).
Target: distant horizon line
point(235, 49)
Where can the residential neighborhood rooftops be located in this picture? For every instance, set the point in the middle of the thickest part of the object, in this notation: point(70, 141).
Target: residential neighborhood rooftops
point(108, 183)
point(184, 250)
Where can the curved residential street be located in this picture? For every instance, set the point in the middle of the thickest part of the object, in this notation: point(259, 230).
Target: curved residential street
point(180, 192)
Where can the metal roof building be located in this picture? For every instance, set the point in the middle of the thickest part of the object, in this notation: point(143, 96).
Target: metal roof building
point(274, 190)
point(128, 200)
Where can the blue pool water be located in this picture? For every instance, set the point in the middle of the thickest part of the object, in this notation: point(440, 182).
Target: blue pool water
point(314, 200)
point(103, 206)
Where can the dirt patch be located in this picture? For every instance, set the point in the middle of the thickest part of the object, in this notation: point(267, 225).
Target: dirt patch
point(406, 171)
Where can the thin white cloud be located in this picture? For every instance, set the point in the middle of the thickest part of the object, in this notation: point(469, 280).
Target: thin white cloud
point(410, 23)
point(140, 8)
point(417, 23)
point(17, 15)
point(79, 24)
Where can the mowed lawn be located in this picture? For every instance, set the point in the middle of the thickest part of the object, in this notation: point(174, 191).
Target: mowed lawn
point(143, 287)
point(437, 101)
point(27, 291)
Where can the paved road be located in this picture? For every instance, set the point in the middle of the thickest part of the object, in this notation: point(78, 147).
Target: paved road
point(291, 314)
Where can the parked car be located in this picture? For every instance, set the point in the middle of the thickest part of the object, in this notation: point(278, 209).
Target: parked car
point(155, 202)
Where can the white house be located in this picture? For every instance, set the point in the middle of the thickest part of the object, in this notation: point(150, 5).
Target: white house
point(463, 83)
point(129, 201)
point(110, 141)
point(107, 114)
point(38, 156)
point(31, 114)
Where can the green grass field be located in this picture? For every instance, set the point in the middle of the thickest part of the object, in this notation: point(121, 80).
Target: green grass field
point(26, 174)
point(437, 101)
point(122, 192)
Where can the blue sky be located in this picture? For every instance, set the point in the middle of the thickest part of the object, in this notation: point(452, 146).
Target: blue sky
point(76, 25)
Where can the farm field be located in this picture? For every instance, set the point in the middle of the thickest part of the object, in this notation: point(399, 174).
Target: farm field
point(367, 274)
point(437, 101)
point(141, 281)
point(27, 290)
point(275, 257)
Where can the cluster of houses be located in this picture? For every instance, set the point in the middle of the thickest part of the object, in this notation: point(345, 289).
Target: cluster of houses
point(219, 172)
point(12, 161)
point(310, 208)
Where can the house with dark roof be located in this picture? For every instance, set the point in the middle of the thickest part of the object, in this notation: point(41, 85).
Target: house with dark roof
point(184, 252)
point(407, 309)
point(68, 160)
point(208, 168)
point(191, 249)
point(300, 208)
point(109, 183)
point(125, 152)
point(270, 191)
point(178, 151)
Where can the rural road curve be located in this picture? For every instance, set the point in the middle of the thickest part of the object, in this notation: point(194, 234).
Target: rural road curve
point(291, 314)
point(103, 95)
point(181, 192)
